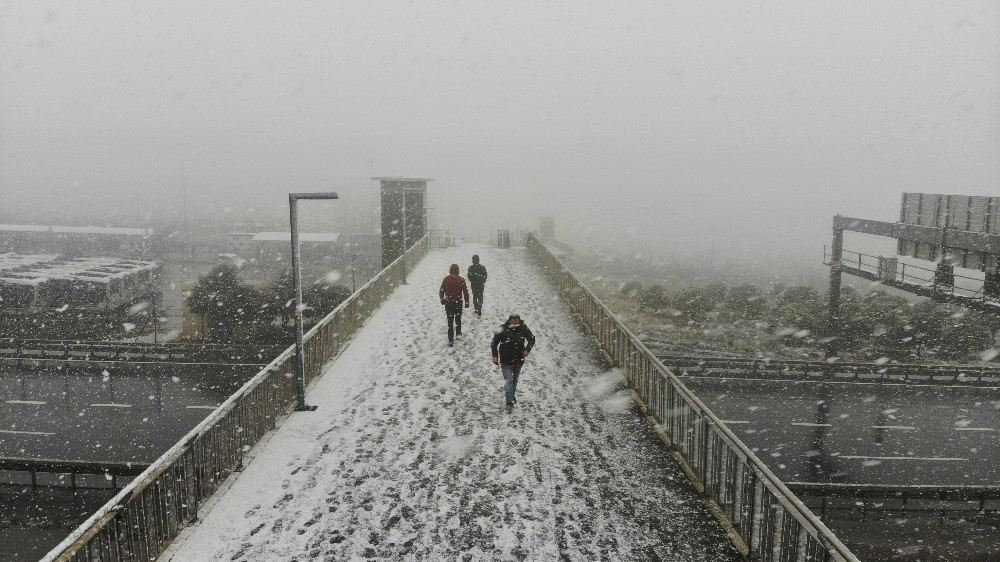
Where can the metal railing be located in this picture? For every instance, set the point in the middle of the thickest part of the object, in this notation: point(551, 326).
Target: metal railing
point(772, 524)
point(53, 473)
point(68, 350)
point(909, 274)
point(141, 520)
point(793, 369)
point(859, 500)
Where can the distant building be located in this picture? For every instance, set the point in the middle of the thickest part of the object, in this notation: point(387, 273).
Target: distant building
point(264, 256)
point(362, 255)
point(240, 243)
point(75, 241)
point(321, 249)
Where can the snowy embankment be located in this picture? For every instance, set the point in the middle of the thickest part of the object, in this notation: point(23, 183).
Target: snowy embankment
point(410, 455)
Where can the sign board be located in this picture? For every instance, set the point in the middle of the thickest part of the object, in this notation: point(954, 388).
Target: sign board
point(968, 213)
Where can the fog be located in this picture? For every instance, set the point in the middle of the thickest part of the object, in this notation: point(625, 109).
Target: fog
point(667, 128)
point(692, 154)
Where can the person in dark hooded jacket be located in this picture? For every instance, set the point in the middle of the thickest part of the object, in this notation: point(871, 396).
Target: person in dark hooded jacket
point(452, 291)
point(477, 280)
point(511, 346)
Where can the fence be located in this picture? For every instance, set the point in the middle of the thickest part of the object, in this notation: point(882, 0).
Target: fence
point(52, 473)
point(897, 273)
point(67, 350)
point(142, 519)
point(820, 371)
point(859, 501)
point(772, 524)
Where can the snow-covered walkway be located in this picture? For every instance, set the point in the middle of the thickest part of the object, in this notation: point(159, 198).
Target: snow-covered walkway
point(410, 455)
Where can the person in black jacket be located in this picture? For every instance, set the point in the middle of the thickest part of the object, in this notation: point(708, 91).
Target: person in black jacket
point(511, 346)
point(477, 280)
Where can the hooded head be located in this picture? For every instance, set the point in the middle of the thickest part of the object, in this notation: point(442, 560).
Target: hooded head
point(514, 319)
point(475, 259)
point(453, 269)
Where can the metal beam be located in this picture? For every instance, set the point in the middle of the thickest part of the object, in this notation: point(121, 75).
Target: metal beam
point(984, 242)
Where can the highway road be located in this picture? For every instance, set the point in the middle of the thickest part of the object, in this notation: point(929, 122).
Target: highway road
point(122, 414)
point(873, 433)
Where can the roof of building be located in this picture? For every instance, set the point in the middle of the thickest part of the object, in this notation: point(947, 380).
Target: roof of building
point(303, 237)
point(391, 178)
point(35, 269)
point(100, 230)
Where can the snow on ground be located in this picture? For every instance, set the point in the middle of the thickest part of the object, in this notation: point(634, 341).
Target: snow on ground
point(410, 455)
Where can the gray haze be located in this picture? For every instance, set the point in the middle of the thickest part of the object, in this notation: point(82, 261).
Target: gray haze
point(679, 128)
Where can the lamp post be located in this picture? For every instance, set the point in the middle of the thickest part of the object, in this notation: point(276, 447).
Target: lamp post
point(300, 365)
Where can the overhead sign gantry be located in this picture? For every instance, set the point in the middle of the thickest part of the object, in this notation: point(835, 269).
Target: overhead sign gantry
point(951, 230)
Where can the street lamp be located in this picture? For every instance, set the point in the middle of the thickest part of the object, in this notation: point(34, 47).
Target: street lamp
point(300, 365)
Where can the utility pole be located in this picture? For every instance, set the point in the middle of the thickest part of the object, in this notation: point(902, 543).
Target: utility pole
point(836, 273)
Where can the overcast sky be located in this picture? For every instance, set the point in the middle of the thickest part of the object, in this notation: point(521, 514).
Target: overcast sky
point(681, 126)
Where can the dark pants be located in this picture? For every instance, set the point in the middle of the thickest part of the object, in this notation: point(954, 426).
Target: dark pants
point(477, 298)
point(510, 375)
point(454, 312)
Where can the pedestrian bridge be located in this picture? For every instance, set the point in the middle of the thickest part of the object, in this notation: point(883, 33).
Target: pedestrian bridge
point(409, 454)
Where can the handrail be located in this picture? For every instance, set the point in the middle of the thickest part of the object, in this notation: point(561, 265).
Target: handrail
point(140, 520)
point(771, 522)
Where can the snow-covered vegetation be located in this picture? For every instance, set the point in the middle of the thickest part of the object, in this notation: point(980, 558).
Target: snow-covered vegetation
point(793, 321)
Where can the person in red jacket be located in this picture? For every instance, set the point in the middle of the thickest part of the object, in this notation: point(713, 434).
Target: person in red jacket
point(452, 292)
